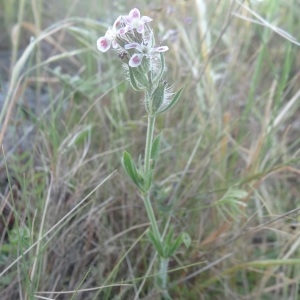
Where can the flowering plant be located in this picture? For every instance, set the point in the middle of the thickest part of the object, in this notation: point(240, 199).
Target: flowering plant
point(144, 63)
point(132, 37)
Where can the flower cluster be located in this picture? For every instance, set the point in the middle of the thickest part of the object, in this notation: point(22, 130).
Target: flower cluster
point(131, 32)
point(132, 37)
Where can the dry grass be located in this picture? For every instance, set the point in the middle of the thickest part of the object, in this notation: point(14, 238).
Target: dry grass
point(73, 227)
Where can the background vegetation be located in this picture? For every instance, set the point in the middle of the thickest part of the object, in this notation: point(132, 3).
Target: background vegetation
point(73, 227)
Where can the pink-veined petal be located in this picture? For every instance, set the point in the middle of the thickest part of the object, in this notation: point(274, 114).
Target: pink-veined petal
point(127, 19)
point(103, 44)
point(123, 30)
point(135, 60)
point(146, 19)
point(110, 33)
point(135, 13)
point(117, 22)
point(140, 28)
point(161, 49)
point(132, 45)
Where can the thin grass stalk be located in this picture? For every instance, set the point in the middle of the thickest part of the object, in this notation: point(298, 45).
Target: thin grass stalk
point(37, 11)
point(16, 35)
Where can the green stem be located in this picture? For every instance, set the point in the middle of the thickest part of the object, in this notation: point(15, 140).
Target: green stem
point(164, 262)
point(146, 196)
point(163, 275)
point(149, 140)
point(151, 217)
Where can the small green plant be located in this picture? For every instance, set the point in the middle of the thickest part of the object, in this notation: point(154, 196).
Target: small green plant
point(132, 37)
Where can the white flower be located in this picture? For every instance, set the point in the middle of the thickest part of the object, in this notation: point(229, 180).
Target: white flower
point(110, 39)
point(135, 21)
point(145, 51)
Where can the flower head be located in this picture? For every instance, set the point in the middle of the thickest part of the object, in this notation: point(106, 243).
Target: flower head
point(144, 63)
point(135, 21)
point(110, 39)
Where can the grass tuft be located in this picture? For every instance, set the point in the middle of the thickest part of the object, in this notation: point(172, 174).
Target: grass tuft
point(73, 227)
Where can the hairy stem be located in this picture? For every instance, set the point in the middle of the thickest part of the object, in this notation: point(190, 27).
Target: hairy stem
point(149, 140)
point(147, 162)
point(164, 262)
point(163, 277)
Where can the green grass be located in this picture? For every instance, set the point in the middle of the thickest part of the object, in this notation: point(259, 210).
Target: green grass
point(230, 160)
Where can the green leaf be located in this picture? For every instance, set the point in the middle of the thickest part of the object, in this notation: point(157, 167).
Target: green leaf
point(132, 80)
point(131, 170)
point(80, 137)
point(155, 148)
point(157, 97)
point(173, 248)
point(20, 236)
point(186, 239)
point(237, 194)
point(231, 203)
point(138, 79)
point(156, 243)
point(183, 238)
point(168, 238)
point(173, 102)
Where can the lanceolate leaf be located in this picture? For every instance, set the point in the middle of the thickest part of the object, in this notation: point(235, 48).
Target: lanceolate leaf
point(158, 97)
point(133, 81)
point(131, 170)
point(138, 79)
point(173, 102)
point(174, 246)
point(169, 238)
point(156, 243)
point(186, 239)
